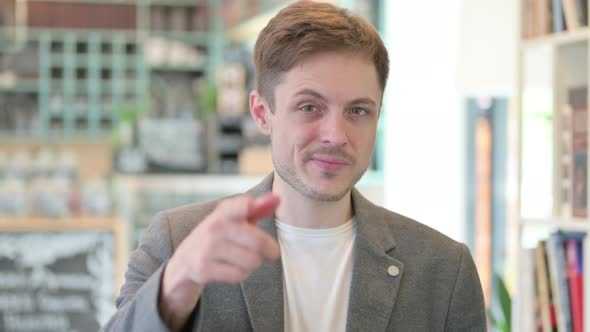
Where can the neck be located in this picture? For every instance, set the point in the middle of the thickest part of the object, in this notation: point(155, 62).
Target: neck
point(301, 211)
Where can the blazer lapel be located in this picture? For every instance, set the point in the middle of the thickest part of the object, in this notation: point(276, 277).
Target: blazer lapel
point(376, 276)
point(263, 289)
point(374, 284)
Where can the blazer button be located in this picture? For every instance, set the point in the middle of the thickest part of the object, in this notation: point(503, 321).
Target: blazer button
point(393, 271)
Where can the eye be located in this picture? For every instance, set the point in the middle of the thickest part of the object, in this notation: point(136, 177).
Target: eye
point(358, 111)
point(309, 108)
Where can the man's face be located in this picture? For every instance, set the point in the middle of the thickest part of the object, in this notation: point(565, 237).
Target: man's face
point(324, 123)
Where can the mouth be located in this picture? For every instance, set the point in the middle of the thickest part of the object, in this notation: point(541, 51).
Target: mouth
point(330, 164)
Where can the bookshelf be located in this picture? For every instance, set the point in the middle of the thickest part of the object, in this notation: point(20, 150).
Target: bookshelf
point(558, 38)
point(537, 230)
point(73, 75)
point(552, 99)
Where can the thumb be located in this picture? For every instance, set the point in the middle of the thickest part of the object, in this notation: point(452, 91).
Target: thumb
point(263, 207)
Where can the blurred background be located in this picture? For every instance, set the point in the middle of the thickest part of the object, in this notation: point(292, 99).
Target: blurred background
point(113, 110)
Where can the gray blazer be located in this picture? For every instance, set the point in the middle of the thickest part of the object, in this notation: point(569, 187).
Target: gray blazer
point(437, 288)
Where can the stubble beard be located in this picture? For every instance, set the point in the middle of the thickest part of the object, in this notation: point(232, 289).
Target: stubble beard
point(289, 175)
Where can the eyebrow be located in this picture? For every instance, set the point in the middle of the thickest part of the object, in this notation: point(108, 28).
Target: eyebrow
point(313, 93)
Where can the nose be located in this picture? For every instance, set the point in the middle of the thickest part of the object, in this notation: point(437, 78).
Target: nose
point(334, 130)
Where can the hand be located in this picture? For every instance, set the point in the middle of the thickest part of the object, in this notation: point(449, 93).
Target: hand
point(227, 246)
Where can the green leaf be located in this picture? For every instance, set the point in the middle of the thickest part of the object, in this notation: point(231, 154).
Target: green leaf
point(499, 325)
point(208, 98)
point(504, 327)
point(493, 319)
point(505, 301)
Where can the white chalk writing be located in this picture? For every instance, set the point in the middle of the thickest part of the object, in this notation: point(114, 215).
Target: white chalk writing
point(62, 303)
point(16, 302)
point(10, 280)
point(35, 322)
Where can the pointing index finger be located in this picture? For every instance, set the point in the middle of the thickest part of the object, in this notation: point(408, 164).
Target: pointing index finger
point(263, 207)
point(247, 208)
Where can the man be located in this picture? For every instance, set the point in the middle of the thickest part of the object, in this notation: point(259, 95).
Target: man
point(304, 251)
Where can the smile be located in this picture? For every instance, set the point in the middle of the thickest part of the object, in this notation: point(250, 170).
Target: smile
point(329, 164)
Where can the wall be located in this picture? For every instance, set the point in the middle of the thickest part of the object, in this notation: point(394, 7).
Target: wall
point(424, 158)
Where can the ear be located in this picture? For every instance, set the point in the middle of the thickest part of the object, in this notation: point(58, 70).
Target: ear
point(260, 111)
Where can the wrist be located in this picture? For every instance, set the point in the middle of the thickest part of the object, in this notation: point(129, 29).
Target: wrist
point(177, 283)
point(178, 296)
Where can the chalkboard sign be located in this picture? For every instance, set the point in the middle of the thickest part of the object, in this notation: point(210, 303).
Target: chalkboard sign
point(59, 276)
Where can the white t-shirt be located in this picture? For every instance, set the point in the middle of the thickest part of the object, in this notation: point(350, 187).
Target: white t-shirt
point(317, 268)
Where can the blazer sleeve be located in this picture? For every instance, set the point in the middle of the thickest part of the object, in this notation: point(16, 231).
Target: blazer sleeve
point(467, 307)
point(137, 304)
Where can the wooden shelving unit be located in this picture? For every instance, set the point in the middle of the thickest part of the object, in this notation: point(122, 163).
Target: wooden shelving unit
point(85, 78)
point(550, 66)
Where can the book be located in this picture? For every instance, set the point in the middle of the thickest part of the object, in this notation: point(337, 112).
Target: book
point(7, 13)
point(77, 15)
point(564, 152)
point(571, 14)
point(557, 13)
point(577, 100)
point(527, 19)
point(534, 15)
point(543, 290)
point(543, 17)
point(576, 282)
point(582, 12)
point(526, 285)
point(558, 279)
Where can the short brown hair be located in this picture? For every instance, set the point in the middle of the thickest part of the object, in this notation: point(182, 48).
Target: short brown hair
point(307, 27)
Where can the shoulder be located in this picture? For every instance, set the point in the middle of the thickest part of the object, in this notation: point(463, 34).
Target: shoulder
point(428, 253)
point(188, 213)
point(437, 270)
point(394, 230)
point(181, 220)
point(416, 240)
